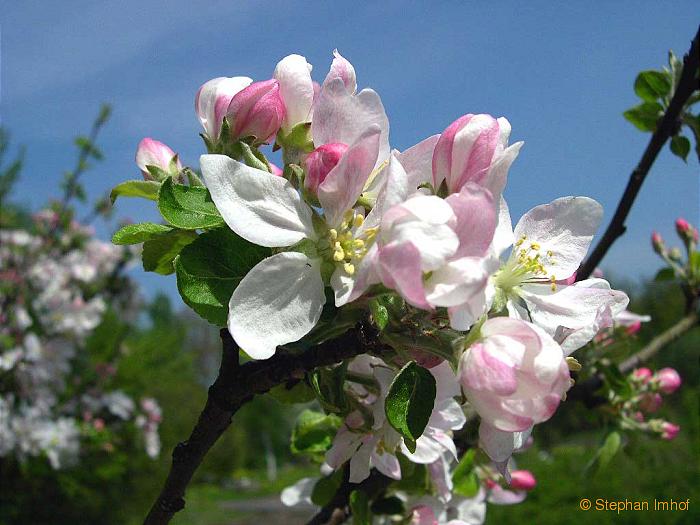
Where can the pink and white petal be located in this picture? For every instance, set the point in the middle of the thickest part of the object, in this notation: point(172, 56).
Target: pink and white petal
point(393, 189)
point(259, 206)
point(346, 287)
point(503, 236)
point(456, 282)
point(445, 381)
point(343, 117)
point(471, 511)
point(575, 307)
point(498, 173)
point(418, 162)
point(484, 368)
point(501, 496)
point(387, 464)
point(360, 461)
point(473, 151)
point(441, 477)
point(463, 316)
point(427, 451)
point(499, 445)
point(277, 302)
point(293, 73)
point(343, 69)
point(442, 154)
point(565, 227)
point(476, 219)
point(344, 183)
point(399, 267)
point(344, 446)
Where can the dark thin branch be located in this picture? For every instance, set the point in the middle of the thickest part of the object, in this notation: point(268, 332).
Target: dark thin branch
point(666, 128)
point(234, 386)
point(585, 391)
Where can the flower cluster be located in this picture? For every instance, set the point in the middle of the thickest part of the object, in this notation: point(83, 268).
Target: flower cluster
point(57, 285)
point(477, 316)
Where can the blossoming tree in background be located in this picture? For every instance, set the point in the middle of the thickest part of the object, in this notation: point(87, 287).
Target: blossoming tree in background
point(60, 288)
point(392, 288)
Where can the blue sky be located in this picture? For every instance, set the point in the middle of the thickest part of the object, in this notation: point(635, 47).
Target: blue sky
point(561, 73)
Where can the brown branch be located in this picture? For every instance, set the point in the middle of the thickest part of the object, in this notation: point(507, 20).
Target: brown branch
point(666, 128)
point(585, 391)
point(234, 386)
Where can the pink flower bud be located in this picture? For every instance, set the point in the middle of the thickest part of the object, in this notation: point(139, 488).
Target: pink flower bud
point(669, 380)
point(154, 153)
point(257, 111)
point(522, 480)
point(650, 403)
point(276, 170)
point(669, 431)
point(474, 148)
point(642, 374)
point(212, 101)
point(320, 162)
point(657, 243)
point(341, 68)
point(682, 226)
point(638, 417)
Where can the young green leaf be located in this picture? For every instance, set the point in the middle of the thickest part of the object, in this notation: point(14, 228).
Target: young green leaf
point(160, 252)
point(359, 506)
point(645, 115)
point(680, 146)
point(138, 233)
point(209, 269)
point(314, 432)
point(609, 449)
point(145, 189)
point(464, 479)
point(380, 314)
point(652, 85)
point(188, 207)
point(665, 274)
point(298, 393)
point(325, 488)
point(328, 383)
point(410, 402)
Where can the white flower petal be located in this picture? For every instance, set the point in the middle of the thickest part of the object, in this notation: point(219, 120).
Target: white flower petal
point(279, 301)
point(565, 227)
point(259, 206)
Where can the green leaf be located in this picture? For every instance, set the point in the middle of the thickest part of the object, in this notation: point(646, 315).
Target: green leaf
point(359, 506)
point(158, 173)
point(188, 207)
point(209, 269)
point(694, 263)
point(644, 116)
point(652, 85)
point(326, 487)
point(138, 233)
point(314, 432)
point(160, 252)
point(145, 189)
point(665, 274)
point(328, 383)
point(380, 314)
point(410, 401)
point(465, 480)
point(680, 146)
point(609, 449)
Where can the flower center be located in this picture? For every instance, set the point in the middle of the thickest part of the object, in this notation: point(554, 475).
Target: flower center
point(526, 265)
point(344, 246)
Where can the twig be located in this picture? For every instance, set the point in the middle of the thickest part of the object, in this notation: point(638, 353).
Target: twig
point(234, 386)
point(666, 128)
point(585, 390)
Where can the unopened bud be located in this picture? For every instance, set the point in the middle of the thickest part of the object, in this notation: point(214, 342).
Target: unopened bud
point(642, 374)
point(156, 155)
point(256, 111)
point(683, 228)
point(657, 243)
point(522, 480)
point(650, 403)
point(669, 380)
point(675, 254)
point(320, 162)
point(669, 431)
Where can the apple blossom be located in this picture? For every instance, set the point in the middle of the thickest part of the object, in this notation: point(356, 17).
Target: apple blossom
point(154, 153)
point(256, 111)
point(669, 431)
point(379, 444)
point(548, 244)
point(668, 379)
point(474, 148)
point(515, 375)
point(212, 101)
